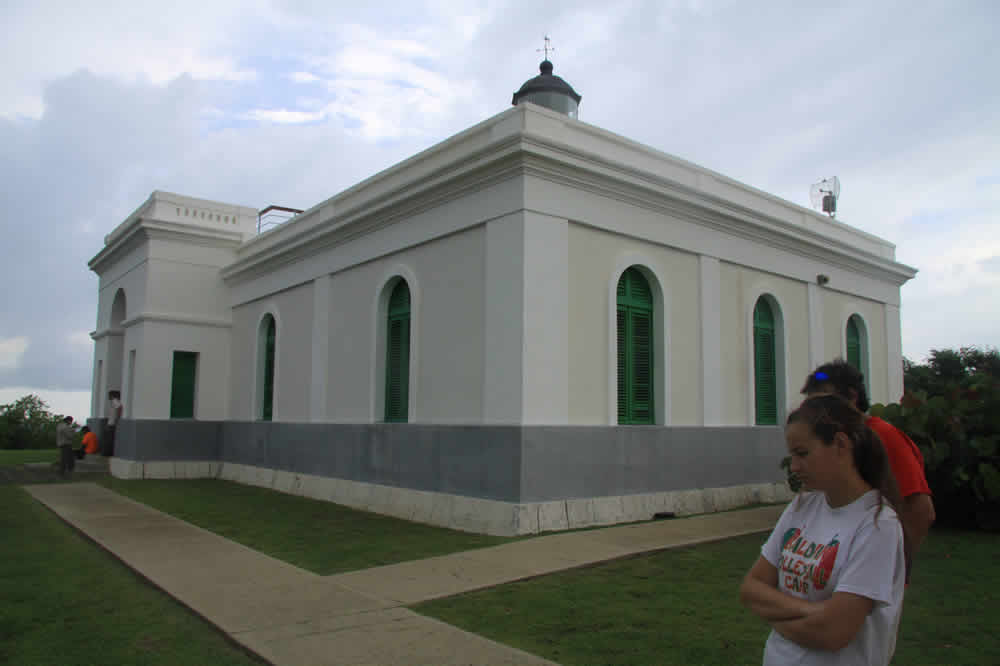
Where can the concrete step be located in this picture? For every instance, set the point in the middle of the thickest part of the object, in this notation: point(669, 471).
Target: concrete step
point(89, 468)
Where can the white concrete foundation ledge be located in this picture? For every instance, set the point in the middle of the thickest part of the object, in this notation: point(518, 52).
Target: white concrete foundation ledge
point(470, 514)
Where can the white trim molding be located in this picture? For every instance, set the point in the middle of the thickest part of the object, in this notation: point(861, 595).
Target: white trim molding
point(710, 292)
point(177, 318)
point(816, 338)
point(106, 332)
point(894, 353)
point(322, 290)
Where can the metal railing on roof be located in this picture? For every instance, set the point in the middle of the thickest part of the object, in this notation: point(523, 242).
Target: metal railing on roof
point(274, 216)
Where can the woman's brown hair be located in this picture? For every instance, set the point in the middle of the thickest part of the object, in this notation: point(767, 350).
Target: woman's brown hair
point(828, 414)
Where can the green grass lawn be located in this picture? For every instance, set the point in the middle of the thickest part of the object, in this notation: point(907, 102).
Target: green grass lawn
point(322, 537)
point(21, 456)
point(65, 601)
point(681, 607)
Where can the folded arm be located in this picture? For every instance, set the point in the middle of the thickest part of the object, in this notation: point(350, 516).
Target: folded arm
point(832, 627)
point(760, 594)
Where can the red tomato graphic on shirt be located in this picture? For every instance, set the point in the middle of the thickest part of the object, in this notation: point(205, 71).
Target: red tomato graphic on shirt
point(789, 536)
point(823, 570)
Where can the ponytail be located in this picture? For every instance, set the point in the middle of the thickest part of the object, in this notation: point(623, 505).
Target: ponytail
point(828, 414)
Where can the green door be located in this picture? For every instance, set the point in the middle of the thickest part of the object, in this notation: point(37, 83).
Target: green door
point(185, 371)
point(765, 365)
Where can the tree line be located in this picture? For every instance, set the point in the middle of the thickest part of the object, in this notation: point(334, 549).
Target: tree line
point(27, 423)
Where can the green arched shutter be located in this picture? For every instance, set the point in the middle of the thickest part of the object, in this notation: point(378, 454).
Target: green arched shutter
point(635, 349)
point(397, 362)
point(765, 367)
point(270, 342)
point(853, 343)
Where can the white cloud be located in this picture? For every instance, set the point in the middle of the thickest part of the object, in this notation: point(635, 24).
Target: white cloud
point(11, 352)
point(124, 40)
point(304, 77)
point(81, 338)
point(284, 116)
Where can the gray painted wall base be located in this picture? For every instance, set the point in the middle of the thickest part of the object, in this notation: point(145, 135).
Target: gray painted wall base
point(470, 514)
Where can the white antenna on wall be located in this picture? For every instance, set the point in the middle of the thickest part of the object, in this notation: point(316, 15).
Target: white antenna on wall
point(824, 194)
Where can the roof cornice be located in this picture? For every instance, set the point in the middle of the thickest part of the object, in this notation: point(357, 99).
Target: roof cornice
point(709, 211)
point(139, 229)
point(476, 170)
point(530, 140)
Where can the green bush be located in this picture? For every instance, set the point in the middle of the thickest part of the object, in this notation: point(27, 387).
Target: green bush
point(959, 436)
point(27, 424)
point(951, 409)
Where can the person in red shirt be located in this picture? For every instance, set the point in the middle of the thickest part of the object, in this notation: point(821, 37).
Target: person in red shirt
point(905, 460)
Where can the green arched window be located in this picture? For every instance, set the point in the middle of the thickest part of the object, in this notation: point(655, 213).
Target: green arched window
point(397, 355)
point(268, 341)
point(635, 349)
point(854, 343)
point(765, 364)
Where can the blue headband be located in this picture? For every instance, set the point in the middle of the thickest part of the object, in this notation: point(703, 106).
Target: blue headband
point(822, 376)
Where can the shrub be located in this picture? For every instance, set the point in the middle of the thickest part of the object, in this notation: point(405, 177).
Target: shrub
point(27, 424)
point(959, 437)
point(951, 409)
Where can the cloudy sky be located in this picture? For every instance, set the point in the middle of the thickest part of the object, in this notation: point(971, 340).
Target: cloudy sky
point(288, 103)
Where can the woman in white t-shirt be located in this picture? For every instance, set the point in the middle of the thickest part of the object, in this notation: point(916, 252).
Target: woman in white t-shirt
point(830, 577)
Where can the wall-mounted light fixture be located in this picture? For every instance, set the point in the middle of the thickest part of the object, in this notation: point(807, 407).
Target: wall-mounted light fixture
point(822, 279)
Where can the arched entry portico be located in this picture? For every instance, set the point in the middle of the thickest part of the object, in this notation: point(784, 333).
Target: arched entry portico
point(115, 363)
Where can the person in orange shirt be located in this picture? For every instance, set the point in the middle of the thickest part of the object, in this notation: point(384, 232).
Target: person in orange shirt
point(907, 463)
point(89, 441)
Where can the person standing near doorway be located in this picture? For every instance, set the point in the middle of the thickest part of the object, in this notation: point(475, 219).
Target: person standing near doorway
point(65, 436)
point(115, 409)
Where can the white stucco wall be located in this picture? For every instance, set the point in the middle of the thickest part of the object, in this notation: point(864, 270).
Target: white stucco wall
point(184, 279)
point(446, 280)
point(155, 343)
point(741, 287)
point(596, 261)
point(293, 313)
point(837, 309)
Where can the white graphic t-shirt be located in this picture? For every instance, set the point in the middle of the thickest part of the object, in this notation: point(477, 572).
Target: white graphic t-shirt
point(819, 550)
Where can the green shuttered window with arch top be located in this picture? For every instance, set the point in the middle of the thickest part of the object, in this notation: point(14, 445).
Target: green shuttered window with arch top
point(854, 343)
point(269, 334)
point(765, 364)
point(635, 349)
point(397, 355)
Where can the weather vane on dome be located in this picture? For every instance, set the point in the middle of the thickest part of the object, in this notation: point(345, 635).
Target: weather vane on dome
point(547, 48)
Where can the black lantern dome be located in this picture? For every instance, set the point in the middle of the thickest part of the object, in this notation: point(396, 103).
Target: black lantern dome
point(550, 91)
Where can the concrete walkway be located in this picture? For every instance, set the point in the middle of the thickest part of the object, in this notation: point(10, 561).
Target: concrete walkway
point(290, 616)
